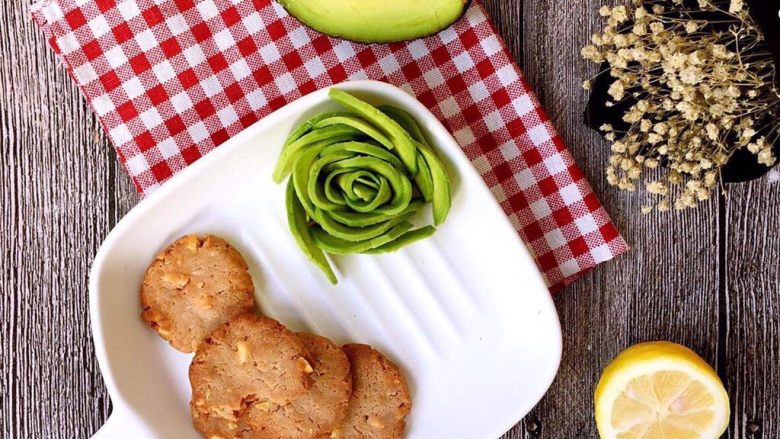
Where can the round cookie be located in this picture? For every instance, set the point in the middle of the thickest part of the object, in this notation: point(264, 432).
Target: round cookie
point(250, 360)
point(315, 413)
point(192, 287)
point(380, 397)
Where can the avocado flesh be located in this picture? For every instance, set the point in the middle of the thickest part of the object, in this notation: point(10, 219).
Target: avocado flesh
point(376, 21)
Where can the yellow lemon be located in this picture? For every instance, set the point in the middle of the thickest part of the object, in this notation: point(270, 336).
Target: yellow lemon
point(660, 390)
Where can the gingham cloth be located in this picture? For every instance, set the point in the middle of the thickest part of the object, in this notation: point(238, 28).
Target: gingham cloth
point(173, 79)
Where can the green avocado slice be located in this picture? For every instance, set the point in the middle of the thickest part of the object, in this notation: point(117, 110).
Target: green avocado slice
point(296, 219)
point(406, 121)
point(377, 21)
point(327, 136)
point(432, 178)
point(423, 177)
point(338, 246)
point(402, 140)
point(407, 238)
point(309, 125)
point(358, 124)
point(442, 189)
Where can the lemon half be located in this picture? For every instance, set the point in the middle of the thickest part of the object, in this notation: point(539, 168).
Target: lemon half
point(660, 390)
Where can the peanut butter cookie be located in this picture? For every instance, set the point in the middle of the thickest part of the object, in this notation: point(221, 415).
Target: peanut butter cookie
point(249, 362)
point(192, 287)
point(380, 397)
point(316, 412)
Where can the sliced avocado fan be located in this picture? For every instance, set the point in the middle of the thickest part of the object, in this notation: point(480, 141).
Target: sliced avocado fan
point(377, 21)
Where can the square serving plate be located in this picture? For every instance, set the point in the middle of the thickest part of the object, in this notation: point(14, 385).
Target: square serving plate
point(465, 313)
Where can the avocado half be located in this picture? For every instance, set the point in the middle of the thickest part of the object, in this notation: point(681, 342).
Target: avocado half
point(377, 21)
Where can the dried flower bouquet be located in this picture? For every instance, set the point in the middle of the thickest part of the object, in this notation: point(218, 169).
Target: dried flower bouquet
point(691, 86)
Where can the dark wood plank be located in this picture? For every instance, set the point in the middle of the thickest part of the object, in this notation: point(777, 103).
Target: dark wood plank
point(752, 269)
point(665, 288)
point(60, 192)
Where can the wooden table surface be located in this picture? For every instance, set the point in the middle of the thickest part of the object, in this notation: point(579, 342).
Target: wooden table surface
point(707, 278)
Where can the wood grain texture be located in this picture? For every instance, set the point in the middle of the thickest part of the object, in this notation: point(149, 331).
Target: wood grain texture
point(706, 278)
point(60, 192)
point(752, 291)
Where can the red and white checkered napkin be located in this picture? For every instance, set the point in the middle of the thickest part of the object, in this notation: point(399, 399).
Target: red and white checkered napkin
point(173, 79)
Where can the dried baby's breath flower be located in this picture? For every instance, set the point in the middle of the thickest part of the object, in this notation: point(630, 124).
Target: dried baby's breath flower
point(619, 14)
point(657, 187)
point(765, 157)
point(700, 91)
point(586, 85)
point(617, 90)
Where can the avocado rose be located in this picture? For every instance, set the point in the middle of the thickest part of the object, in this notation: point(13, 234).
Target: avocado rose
point(358, 178)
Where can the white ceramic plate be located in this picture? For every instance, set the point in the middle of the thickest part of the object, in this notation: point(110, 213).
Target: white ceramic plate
point(465, 313)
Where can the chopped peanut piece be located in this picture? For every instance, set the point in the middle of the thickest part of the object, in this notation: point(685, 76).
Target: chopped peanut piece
point(265, 406)
point(177, 280)
point(374, 422)
point(243, 352)
point(192, 242)
point(304, 365)
point(205, 301)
